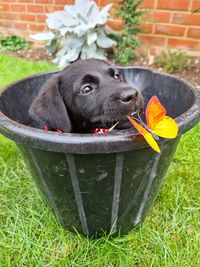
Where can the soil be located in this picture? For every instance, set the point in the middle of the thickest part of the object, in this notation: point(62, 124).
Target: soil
point(37, 53)
point(191, 73)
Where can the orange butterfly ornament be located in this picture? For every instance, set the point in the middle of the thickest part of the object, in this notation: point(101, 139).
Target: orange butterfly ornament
point(158, 124)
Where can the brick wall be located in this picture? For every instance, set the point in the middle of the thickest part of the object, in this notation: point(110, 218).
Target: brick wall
point(171, 24)
point(166, 24)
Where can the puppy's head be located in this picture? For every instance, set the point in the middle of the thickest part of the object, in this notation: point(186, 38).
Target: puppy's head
point(88, 94)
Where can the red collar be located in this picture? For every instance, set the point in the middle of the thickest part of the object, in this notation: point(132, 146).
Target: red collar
point(47, 129)
point(95, 131)
point(100, 131)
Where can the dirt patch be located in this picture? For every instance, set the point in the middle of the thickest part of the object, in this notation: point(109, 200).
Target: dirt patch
point(37, 53)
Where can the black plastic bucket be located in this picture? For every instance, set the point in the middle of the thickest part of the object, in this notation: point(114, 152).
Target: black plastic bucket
point(98, 183)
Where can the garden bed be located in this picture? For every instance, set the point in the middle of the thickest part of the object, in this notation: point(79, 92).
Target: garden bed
point(191, 73)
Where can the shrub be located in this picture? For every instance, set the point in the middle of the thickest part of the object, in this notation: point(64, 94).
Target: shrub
point(126, 41)
point(78, 32)
point(172, 61)
point(13, 43)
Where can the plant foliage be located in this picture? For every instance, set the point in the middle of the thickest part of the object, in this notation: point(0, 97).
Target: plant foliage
point(172, 61)
point(77, 32)
point(13, 43)
point(127, 42)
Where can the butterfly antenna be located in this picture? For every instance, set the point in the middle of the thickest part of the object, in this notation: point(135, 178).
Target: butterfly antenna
point(139, 115)
point(137, 112)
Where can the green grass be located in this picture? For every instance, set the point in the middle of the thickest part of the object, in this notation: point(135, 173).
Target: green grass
point(31, 237)
point(13, 68)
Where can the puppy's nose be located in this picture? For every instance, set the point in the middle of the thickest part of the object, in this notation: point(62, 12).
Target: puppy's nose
point(128, 96)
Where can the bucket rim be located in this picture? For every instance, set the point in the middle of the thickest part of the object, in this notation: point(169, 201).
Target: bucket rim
point(119, 141)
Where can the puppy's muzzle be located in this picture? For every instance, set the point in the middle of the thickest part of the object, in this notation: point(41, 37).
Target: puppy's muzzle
point(127, 96)
point(130, 97)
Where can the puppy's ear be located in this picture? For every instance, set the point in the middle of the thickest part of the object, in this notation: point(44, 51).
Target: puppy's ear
point(49, 109)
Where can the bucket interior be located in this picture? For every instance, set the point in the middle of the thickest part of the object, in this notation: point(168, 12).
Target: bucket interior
point(174, 94)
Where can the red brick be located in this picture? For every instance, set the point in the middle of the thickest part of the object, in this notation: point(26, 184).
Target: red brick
point(65, 2)
point(107, 2)
point(49, 9)
point(184, 44)
point(21, 25)
point(193, 32)
point(173, 4)
point(150, 40)
point(4, 7)
point(7, 24)
point(186, 19)
point(115, 24)
point(44, 1)
point(52, 8)
point(195, 4)
point(6, 1)
point(36, 27)
point(98, 2)
point(10, 16)
point(35, 8)
point(25, 1)
point(41, 18)
point(18, 7)
point(147, 4)
point(169, 30)
point(26, 17)
point(146, 27)
point(157, 16)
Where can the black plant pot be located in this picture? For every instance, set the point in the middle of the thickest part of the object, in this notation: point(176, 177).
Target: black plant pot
point(98, 183)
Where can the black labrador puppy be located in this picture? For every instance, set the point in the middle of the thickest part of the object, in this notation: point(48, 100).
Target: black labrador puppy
point(86, 95)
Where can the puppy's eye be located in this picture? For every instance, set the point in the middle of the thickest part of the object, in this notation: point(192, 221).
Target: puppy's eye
point(86, 89)
point(117, 76)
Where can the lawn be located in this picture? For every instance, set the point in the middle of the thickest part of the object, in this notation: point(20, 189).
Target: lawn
point(31, 237)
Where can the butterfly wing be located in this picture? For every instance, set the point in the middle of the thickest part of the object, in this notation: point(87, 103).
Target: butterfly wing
point(160, 124)
point(166, 128)
point(154, 112)
point(148, 136)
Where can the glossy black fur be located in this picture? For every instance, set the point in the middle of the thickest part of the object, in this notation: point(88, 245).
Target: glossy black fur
point(87, 94)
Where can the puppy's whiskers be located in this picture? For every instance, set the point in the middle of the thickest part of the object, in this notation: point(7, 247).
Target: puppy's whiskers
point(102, 120)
